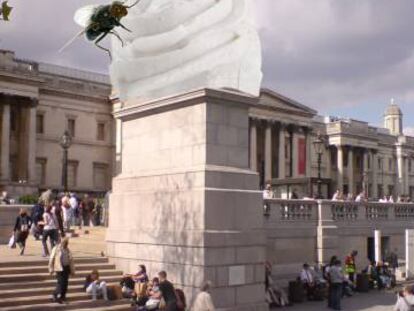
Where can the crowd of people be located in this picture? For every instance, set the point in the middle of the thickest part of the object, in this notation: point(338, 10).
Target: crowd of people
point(337, 280)
point(53, 216)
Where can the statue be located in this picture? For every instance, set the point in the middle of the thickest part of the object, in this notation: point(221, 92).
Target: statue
point(180, 45)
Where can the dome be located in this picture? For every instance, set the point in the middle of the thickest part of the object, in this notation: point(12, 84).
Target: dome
point(393, 109)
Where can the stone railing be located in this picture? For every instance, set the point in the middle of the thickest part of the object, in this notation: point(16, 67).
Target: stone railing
point(307, 210)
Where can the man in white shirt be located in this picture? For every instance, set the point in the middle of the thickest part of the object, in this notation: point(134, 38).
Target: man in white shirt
point(361, 197)
point(308, 280)
point(336, 195)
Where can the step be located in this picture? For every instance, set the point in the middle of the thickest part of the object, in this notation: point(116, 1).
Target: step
point(46, 276)
point(44, 269)
point(86, 304)
point(45, 290)
point(24, 262)
point(76, 281)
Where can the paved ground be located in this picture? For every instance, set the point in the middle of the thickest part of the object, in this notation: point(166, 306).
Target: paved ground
point(373, 301)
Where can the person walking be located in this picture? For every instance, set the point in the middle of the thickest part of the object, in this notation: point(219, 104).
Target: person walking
point(61, 263)
point(21, 229)
point(203, 301)
point(336, 280)
point(350, 266)
point(49, 230)
point(168, 292)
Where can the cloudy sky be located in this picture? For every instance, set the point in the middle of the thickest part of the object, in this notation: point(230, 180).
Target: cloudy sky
point(345, 58)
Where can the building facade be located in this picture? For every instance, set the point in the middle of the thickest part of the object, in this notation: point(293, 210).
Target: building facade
point(358, 157)
point(38, 103)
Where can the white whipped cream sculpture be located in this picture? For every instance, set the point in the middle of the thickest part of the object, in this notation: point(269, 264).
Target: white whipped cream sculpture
point(177, 46)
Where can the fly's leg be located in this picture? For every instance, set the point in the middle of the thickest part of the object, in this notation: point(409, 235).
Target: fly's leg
point(119, 24)
point(118, 36)
point(101, 47)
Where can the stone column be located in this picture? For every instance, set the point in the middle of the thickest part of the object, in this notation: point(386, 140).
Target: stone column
point(409, 253)
point(400, 167)
point(340, 164)
point(308, 153)
point(282, 152)
point(407, 176)
point(374, 175)
point(295, 155)
point(253, 145)
point(268, 152)
point(5, 143)
point(365, 182)
point(31, 144)
point(378, 247)
point(200, 212)
point(351, 180)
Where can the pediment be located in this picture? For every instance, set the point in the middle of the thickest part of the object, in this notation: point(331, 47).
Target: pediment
point(273, 100)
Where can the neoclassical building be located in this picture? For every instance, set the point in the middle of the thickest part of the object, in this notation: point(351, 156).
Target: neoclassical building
point(38, 103)
point(357, 157)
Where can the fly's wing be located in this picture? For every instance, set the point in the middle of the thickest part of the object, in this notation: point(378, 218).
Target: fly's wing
point(83, 16)
point(72, 40)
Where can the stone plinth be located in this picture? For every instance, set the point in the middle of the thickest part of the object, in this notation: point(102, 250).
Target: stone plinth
point(186, 201)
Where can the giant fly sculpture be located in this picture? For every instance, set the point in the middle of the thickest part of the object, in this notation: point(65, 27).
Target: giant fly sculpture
point(5, 11)
point(100, 20)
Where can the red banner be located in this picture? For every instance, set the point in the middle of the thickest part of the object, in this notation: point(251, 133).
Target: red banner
point(301, 156)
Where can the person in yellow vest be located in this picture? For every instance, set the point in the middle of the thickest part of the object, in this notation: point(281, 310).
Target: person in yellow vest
point(350, 266)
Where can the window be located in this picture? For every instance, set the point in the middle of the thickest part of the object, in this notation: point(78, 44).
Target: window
point(14, 119)
point(72, 173)
point(410, 166)
point(100, 176)
point(41, 171)
point(380, 164)
point(71, 127)
point(100, 135)
point(40, 124)
point(390, 168)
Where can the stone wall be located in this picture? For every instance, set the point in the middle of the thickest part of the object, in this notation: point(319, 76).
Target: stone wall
point(300, 231)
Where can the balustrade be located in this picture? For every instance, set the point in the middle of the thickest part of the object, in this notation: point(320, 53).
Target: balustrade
point(306, 210)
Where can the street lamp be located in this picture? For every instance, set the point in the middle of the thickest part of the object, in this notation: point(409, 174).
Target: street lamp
point(65, 143)
point(319, 146)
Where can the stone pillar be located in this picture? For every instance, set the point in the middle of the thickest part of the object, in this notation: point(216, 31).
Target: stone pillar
point(308, 153)
point(31, 144)
point(253, 145)
point(374, 175)
point(282, 152)
point(340, 165)
point(378, 246)
point(351, 180)
point(268, 152)
point(365, 182)
point(327, 233)
point(400, 168)
point(5, 143)
point(409, 254)
point(295, 155)
point(199, 215)
point(407, 176)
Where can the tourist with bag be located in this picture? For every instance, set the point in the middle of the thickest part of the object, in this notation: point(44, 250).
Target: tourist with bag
point(21, 229)
point(61, 262)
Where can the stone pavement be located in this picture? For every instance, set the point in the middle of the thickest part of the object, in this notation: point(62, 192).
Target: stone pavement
point(373, 301)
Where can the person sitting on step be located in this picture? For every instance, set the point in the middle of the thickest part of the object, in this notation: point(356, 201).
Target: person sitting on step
point(94, 286)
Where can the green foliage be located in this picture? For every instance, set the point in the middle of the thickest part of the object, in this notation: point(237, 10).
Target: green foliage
point(29, 199)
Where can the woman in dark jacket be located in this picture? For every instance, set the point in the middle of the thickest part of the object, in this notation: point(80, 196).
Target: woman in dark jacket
point(21, 229)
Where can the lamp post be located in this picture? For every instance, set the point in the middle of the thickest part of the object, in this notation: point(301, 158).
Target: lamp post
point(65, 143)
point(319, 145)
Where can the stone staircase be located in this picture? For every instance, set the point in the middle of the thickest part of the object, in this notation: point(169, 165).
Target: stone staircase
point(25, 283)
